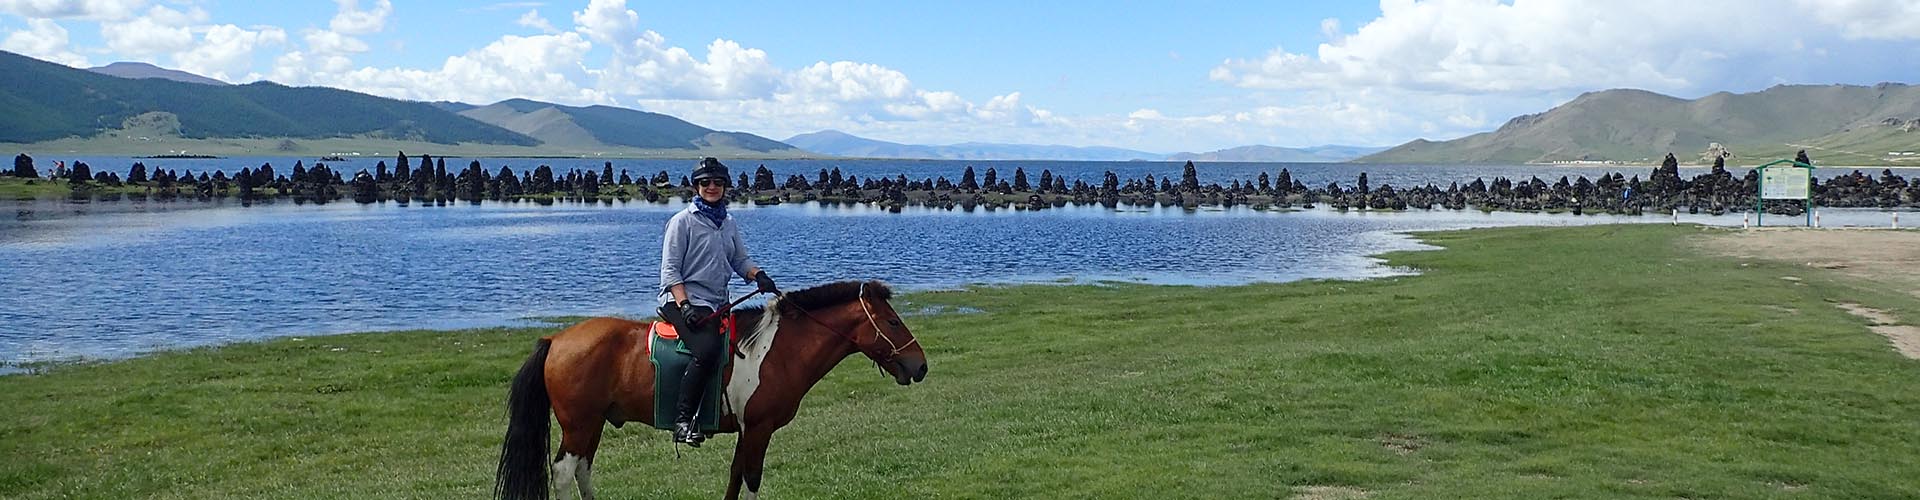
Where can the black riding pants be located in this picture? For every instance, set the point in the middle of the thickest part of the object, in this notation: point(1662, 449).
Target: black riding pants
point(709, 350)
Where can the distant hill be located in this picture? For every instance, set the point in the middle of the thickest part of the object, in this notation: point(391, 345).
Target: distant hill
point(600, 126)
point(138, 70)
point(452, 106)
point(45, 101)
point(1845, 124)
point(833, 142)
point(1274, 154)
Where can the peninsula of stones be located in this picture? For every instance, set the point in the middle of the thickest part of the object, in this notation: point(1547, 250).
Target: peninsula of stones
point(426, 180)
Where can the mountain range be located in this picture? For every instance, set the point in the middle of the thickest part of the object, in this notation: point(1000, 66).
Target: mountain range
point(591, 127)
point(1275, 154)
point(50, 101)
point(837, 143)
point(47, 101)
point(1847, 124)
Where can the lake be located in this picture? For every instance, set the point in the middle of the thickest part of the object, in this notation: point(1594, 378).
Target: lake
point(116, 279)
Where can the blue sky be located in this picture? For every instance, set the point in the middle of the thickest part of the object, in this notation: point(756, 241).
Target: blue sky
point(1165, 77)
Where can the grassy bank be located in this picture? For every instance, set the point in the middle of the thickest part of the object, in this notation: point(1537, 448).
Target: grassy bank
point(1593, 362)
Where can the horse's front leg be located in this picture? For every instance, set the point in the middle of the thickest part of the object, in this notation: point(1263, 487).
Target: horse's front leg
point(748, 455)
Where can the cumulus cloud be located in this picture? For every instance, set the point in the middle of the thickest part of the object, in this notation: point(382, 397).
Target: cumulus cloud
point(851, 82)
point(160, 31)
point(350, 20)
point(44, 39)
point(332, 42)
point(609, 22)
point(1490, 46)
point(651, 68)
point(532, 19)
point(92, 10)
point(226, 51)
point(542, 67)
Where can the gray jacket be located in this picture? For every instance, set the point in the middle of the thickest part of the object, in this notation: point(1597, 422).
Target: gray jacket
point(702, 256)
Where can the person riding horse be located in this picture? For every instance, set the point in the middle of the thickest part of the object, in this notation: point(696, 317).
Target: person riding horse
point(701, 246)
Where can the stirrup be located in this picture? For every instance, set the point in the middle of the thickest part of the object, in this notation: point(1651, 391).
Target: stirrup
point(692, 437)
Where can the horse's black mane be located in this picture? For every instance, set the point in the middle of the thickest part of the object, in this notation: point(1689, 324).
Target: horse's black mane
point(828, 295)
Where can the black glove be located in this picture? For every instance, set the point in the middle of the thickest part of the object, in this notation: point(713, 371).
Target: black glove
point(765, 282)
point(695, 314)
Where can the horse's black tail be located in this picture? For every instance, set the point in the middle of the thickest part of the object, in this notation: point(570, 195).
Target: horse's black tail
point(523, 457)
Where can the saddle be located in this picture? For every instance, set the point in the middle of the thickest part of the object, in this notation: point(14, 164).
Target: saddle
point(665, 330)
point(670, 358)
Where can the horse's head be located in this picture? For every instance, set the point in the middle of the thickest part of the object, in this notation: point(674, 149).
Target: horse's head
point(866, 318)
point(891, 346)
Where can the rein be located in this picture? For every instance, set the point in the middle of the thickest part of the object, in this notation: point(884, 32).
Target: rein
point(851, 337)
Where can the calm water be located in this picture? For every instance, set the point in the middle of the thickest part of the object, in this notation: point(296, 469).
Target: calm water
point(127, 278)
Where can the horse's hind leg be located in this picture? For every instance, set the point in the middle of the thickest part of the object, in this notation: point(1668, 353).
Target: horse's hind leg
point(574, 462)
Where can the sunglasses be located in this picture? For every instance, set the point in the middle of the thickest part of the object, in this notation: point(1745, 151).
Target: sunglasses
point(711, 182)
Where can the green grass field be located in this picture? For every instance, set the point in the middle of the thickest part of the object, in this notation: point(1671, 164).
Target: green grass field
point(1591, 362)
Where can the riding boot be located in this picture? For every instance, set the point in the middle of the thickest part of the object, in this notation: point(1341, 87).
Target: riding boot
point(708, 349)
point(692, 391)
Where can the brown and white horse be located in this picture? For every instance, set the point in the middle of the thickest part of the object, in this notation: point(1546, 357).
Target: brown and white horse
point(596, 372)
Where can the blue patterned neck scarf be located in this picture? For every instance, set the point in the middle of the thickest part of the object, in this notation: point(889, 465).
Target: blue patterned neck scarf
point(716, 212)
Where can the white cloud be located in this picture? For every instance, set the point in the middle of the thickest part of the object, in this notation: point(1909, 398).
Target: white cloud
point(161, 31)
point(334, 43)
point(532, 19)
point(541, 67)
point(609, 22)
point(1330, 29)
point(94, 10)
point(350, 20)
point(44, 39)
point(846, 81)
point(226, 51)
point(649, 68)
point(1490, 46)
point(1869, 19)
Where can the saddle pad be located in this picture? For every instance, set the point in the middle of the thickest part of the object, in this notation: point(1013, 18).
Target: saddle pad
point(670, 359)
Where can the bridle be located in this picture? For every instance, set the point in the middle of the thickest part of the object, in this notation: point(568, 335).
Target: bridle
point(871, 321)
